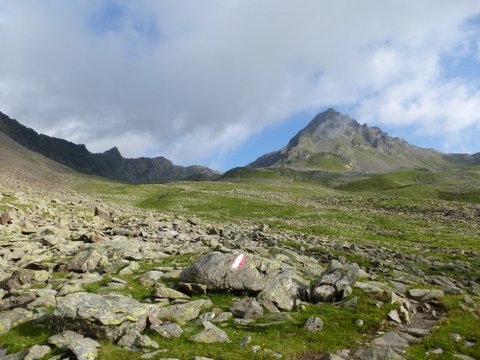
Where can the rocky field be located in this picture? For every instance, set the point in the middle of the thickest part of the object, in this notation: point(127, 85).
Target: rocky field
point(110, 271)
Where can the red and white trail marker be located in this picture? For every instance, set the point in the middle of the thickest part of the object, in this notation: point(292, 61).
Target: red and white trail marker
point(239, 262)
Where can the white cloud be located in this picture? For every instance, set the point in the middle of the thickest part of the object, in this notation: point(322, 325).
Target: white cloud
point(192, 80)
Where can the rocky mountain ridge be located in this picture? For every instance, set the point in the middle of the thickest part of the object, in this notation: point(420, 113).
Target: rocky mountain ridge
point(335, 142)
point(109, 164)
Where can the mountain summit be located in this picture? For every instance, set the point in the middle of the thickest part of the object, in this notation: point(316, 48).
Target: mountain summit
point(335, 142)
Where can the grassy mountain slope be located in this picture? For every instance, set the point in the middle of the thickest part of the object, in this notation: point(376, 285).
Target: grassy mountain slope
point(335, 142)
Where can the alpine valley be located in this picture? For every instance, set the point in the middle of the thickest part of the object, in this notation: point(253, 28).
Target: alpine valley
point(345, 244)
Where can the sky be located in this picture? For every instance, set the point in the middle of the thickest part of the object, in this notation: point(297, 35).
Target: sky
point(221, 82)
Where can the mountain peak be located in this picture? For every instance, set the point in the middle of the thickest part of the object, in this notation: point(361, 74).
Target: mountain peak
point(333, 141)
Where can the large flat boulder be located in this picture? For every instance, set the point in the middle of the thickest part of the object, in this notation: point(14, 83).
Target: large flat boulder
point(219, 271)
point(100, 316)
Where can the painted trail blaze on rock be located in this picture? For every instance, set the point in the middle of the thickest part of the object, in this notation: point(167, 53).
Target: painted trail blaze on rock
point(220, 271)
point(239, 262)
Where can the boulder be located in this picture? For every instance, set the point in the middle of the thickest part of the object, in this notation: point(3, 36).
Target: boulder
point(86, 260)
point(247, 308)
point(335, 282)
point(99, 316)
point(24, 278)
point(283, 289)
point(220, 271)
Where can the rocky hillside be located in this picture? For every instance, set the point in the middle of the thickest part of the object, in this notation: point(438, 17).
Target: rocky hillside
point(335, 142)
point(109, 164)
point(20, 165)
point(84, 279)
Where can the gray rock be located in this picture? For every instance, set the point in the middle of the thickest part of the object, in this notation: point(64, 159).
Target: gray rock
point(283, 289)
point(150, 278)
point(222, 317)
point(463, 357)
point(167, 330)
point(64, 340)
point(335, 282)
point(87, 260)
point(16, 356)
point(193, 289)
point(247, 308)
point(25, 278)
point(17, 301)
point(153, 354)
point(211, 334)
point(425, 294)
point(12, 318)
point(164, 292)
point(216, 272)
point(183, 313)
point(391, 339)
point(99, 316)
point(377, 353)
point(456, 337)
point(83, 348)
point(330, 356)
point(394, 316)
point(37, 352)
point(102, 213)
point(313, 324)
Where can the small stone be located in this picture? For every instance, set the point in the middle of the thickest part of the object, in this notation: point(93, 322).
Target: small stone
point(37, 352)
point(167, 330)
point(164, 292)
point(456, 337)
point(463, 357)
point(85, 349)
point(211, 334)
point(223, 317)
point(245, 341)
point(6, 218)
point(438, 351)
point(313, 324)
point(394, 316)
point(391, 339)
point(153, 354)
point(359, 322)
point(255, 348)
point(193, 288)
point(330, 356)
point(272, 354)
point(247, 308)
point(144, 341)
point(101, 213)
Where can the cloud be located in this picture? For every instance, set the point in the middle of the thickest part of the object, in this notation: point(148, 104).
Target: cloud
point(192, 81)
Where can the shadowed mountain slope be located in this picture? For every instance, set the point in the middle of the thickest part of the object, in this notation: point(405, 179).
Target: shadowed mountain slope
point(109, 164)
